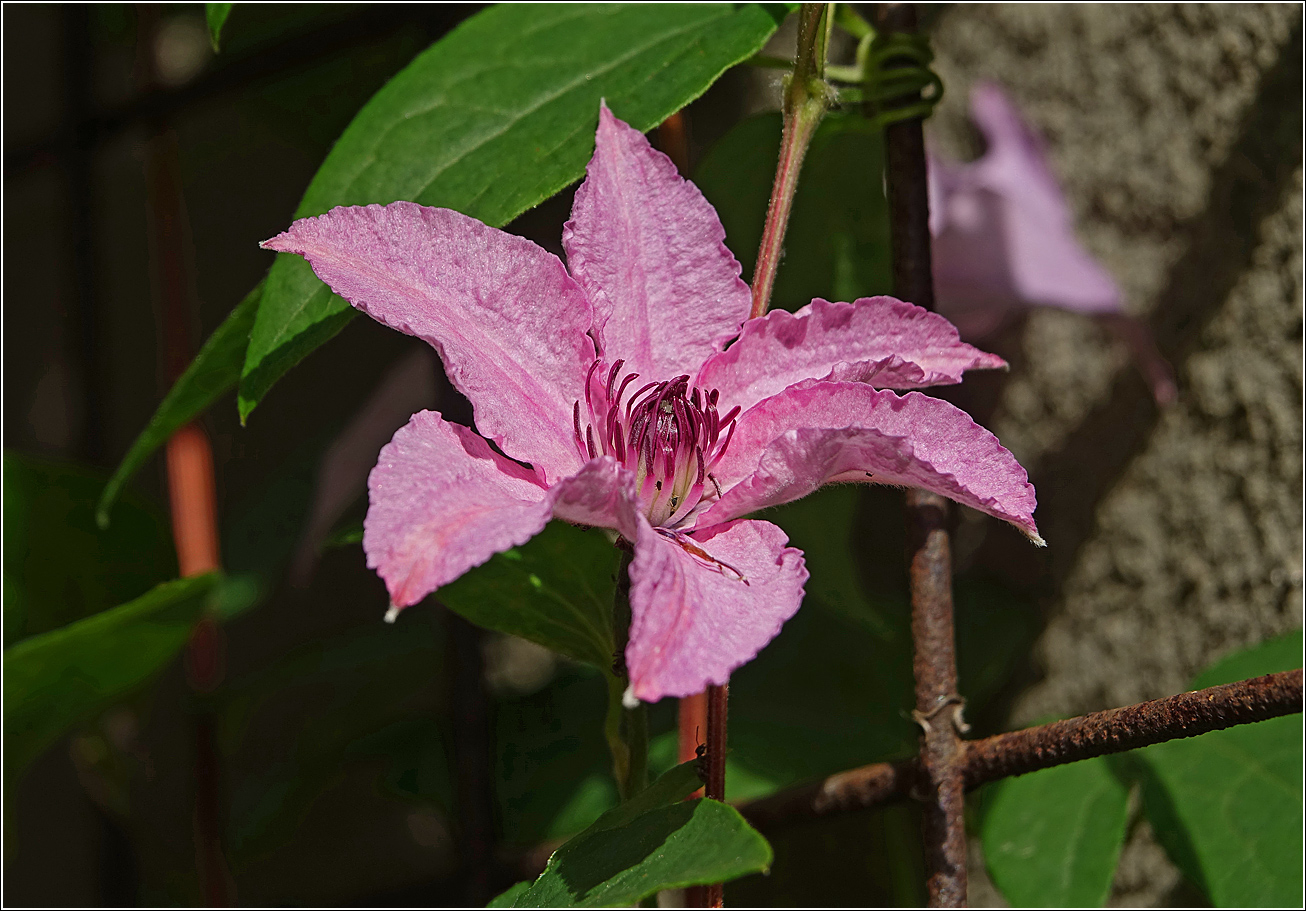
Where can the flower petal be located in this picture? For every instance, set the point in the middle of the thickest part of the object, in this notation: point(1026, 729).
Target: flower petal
point(441, 502)
point(506, 318)
point(648, 249)
point(1004, 234)
point(601, 494)
point(694, 621)
point(806, 436)
point(877, 340)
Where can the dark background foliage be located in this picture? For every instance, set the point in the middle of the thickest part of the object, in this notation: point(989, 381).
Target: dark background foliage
point(1175, 537)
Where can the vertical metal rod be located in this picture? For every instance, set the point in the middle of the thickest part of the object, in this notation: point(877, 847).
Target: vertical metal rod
point(938, 707)
point(192, 490)
point(713, 896)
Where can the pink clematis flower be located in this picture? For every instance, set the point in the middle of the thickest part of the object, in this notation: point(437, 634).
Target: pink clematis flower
point(626, 391)
point(1004, 240)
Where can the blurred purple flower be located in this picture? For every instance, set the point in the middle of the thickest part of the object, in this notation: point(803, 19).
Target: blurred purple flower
point(1004, 240)
point(611, 399)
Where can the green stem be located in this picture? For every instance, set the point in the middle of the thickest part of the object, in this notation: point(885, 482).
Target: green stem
point(612, 730)
point(636, 727)
point(807, 95)
point(625, 728)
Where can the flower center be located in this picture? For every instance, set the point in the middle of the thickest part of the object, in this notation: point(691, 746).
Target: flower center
point(669, 435)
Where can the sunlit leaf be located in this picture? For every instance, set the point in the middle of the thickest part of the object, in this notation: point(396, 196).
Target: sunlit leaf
point(216, 15)
point(493, 119)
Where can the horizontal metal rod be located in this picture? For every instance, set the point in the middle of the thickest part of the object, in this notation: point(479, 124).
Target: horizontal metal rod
point(1044, 746)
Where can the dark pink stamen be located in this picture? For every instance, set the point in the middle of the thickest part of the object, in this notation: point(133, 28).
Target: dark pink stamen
point(668, 434)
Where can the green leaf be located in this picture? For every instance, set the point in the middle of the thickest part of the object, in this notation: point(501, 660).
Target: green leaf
point(1282, 653)
point(837, 243)
point(509, 898)
point(215, 370)
point(1052, 838)
point(1227, 806)
point(492, 120)
point(60, 678)
point(556, 590)
point(58, 565)
point(657, 840)
point(216, 14)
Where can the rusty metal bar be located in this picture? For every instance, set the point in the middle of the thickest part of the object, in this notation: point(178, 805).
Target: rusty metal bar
point(1020, 752)
point(938, 707)
point(714, 758)
point(1118, 730)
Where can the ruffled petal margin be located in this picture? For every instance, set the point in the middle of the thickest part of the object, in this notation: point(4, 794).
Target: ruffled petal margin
point(807, 436)
point(881, 341)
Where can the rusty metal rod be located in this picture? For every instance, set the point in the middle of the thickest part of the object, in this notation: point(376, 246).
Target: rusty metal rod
point(1020, 752)
point(714, 759)
point(1134, 726)
point(938, 707)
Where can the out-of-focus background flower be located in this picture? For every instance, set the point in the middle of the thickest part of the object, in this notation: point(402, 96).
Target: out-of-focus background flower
point(1175, 534)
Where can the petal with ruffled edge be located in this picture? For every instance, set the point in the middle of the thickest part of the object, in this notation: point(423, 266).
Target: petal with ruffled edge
point(441, 501)
point(881, 341)
point(807, 436)
point(507, 319)
point(699, 613)
point(649, 250)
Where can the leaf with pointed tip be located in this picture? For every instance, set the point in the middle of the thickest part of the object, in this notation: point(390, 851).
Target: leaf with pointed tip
point(216, 14)
point(60, 678)
point(215, 370)
point(58, 565)
point(656, 840)
point(491, 120)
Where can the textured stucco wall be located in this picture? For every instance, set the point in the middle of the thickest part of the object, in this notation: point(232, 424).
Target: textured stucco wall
point(1175, 536)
